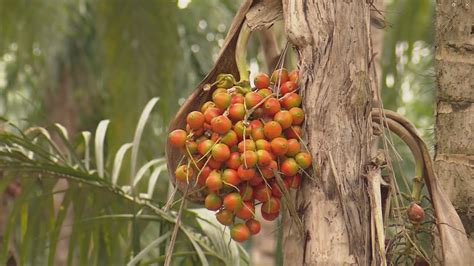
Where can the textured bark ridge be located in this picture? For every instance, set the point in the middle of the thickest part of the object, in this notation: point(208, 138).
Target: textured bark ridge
point(454, 129)
point(332, 40)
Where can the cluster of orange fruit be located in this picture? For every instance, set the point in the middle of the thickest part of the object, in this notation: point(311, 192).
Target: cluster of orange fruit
point(236, 143)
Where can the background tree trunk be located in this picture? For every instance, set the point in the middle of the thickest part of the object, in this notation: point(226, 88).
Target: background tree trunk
point(332, 39)
point(454, 128)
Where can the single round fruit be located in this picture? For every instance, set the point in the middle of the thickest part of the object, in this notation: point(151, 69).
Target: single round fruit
point(184, 173)
point(237, 98)
point(257, 133)
point(279, 76)
point(204, 173)
point(205, 146)
point(276, 191)
point(269, 216)
point(271, 206)
point(252, 99)
point(279, 146)
point(218, 90)
point(177, 138)
point(295, 181)
point(211, 113)
point(415, 213)
point(239, 130)
point(214, 181)
point(303, 159)
point(249, 158)
point(294, 148)
point(233, 201)
point(222, 100)
point(293, 132)
point(294, 76)
point(230, 138)
point(246, 212)
point(267, 172)
point(212, 202)
point(191, 146)
point(225, 217)
point(289, 167)
point(239, 232)
point(256, 180)
point(272, 130)
point(253, 226)
point(246, 191)
point(236, 112)
point(265, 92)
point(290, 100)
point(288, 87)
point(245, 173)
point(247, 145)
point(230, 177)
point(195, 120)
point(261, 81)
point(262, 144)
point(264, 158)
point(271, 106)
point(220, 152)
point(234, 161)
point(206, 105)
point(298, 115)
point(284, 118)
point(262, 193)
point(215, 165)
point(221, 124)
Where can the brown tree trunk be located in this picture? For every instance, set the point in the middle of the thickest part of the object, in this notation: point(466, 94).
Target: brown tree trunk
point(454, 129)
point(332, 38)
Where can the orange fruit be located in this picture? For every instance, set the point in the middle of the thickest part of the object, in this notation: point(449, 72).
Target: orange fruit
point(184, 173)
point(271, 206)
point(272, 130)
point(256, 180)
point(294, 147)
point(195, 120)
point(279, 76)
point(203, 175)
point(294, 76)
point(237, 112)
point(191, 146)
point(267, 172)
point(245, 173)
point(293, 132)
point(225, 217)
point(262, 144)
point(222, 100)
point(211, 113)
point(212, 202)
point(237, 98)
point(276, 191)
point(297, 115)
point(206, 105)
point(230, 177)
point(279, 146)
point(239, 232)
point(221, 124)
point(205, 146)
point(246, 212)
point(303, 159)
point(271, 106)
point(246, 191)
point(295, 181)
point(253, 226)
point(247, 145)
point(284, 118)
point(261, 81)
point(290, 100)
point(249, 158)
point(230, 138)
point(177, 138)
point(252, 98)
point(257, 133)
point(264, 158)
point(215, 165)
point(233, 201)
point(234, 161)
point(265, 92)
point(214, 181)
point(262, 192)
point(289, 167)
point(239, 130)
point(269, 216)
point(220, 152)
point(288, 87)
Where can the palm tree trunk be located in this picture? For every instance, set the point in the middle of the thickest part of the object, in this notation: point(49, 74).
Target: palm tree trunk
point(332, 39)
point(454, 128)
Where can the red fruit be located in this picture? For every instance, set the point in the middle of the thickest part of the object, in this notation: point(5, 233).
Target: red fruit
point(247, 145)
point(212, 202)
point(294, 147)
point(252, 99)
point(177, 138)
point(293, 132)
point(220, 152)
point(249, 158)
point(233, 201)
point(261, 81)
point(230, 177)
point(267, 172)
point(279, 146)
point(215, 165)
point(262, 144)
point(211, 113)
point(195, 120)
point(279, 76)
point(264, 158)
point(246, 191)
point(206, 105)
point(236, 112)
point(221, 124)
point(269, 216)
point(290, 100)
point(222, 100)
point(415, 213)
point(288, 87)
point(246, 212)
point(214, 181)
point(244, 173)
point(203, 175)
point(289, 167)
point(205, 146)
point(253, 226)
point(271, 206)
point(225, 217)
point(230, 138)
point(239, 232)
point(264, 92)
point(276, 191)
point(239, 130)
point(184, 173)
point(271, 106)
point(262, 193)
point(258, 113)
point(257, 133)
point(234, 161)
point(294, 76)
point(256, 180)
point(255, 124)
point(284, 118)
point(237, 98)
point(303, 159)
point(295, 181)
point(272, 130)
point(298, 115)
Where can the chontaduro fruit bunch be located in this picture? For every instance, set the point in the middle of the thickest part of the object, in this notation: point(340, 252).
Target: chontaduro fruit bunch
point(235, 143)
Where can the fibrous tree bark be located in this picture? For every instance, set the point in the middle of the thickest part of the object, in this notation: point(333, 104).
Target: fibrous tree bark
point(332, 40)
point(454, 128)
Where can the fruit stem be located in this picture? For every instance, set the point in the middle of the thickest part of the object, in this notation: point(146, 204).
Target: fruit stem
point(241, 52)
